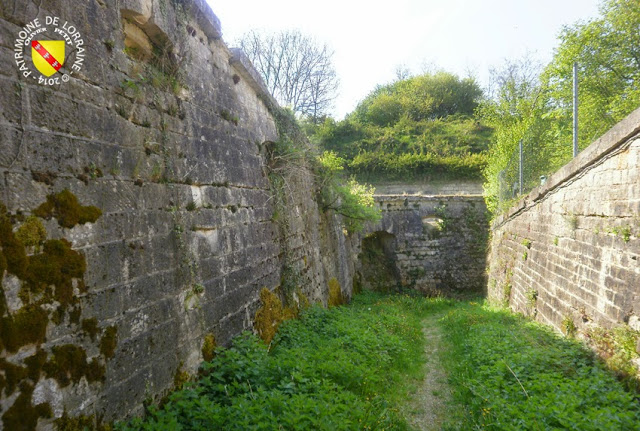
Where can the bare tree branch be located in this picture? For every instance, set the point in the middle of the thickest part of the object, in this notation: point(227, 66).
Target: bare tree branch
point(297, 70)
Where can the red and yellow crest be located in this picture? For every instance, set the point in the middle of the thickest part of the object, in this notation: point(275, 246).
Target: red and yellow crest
point(47, 55)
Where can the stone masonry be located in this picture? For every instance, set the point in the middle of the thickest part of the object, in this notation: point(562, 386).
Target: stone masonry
point(569, 252)
point(165, 132)
point(432, 244)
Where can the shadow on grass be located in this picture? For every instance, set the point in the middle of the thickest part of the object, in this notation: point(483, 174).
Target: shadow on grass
point(509, 373)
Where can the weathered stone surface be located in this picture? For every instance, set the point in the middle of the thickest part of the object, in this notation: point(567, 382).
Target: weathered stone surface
point(173, 154)
point(569, 251)
point(437, 244)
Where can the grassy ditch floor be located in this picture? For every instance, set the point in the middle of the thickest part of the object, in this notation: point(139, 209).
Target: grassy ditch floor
point(344, 368)
point(508, 373)
point(359, 367)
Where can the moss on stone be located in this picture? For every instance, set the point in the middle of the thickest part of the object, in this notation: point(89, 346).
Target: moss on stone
point(69, 364)
point(56, 266)
point(90, 327)
point(31, 233)
point(23, 415)
point(269, 315)
point(65, 207)
point(27, 326)
point(208, 347)
point(335, 293)
point(109, 342)
point(180, 378)
point(13, 375)
point(74, 314)
point(81, 423)
point(35, 363)
point(13, 250)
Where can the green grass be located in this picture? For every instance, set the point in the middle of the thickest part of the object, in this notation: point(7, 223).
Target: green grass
point(354, 368)
point(509, 373)
point(343, 368)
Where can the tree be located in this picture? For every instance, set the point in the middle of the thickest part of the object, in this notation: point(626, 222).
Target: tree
point(423, 97)
point(298, 71)
point(607, 50)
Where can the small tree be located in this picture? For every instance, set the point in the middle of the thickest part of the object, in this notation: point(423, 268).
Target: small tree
point(298, 71)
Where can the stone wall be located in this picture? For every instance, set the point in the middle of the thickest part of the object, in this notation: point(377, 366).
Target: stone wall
point(569, 253)
point(156, 223)
point(432, 244)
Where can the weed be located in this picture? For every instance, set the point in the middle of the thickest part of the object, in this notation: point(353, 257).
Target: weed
point(526, 243)
point(556, 241)
point(532, 297)
point(525, 255)
point(191, 206)
point(568, 327)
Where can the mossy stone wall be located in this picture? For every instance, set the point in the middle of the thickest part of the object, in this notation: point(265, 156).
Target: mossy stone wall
point(142, 181)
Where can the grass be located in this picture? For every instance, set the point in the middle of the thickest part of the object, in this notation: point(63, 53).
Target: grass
point(509, 373)
point(354, 367)
point(343, 368)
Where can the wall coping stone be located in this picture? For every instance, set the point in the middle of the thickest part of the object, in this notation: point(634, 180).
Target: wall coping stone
point(242, 64)
point(616, 137)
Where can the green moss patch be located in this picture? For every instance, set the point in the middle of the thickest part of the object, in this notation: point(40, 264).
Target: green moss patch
point(56, 266)
point(13, 251)
point(109, 342)
point(27, 326)
point(208, 347)
point(22, 415)
point(65, 207)
point(90, 327)
point(31, 233)
point(69, 364)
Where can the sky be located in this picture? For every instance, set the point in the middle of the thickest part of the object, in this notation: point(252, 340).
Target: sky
point(371, 39)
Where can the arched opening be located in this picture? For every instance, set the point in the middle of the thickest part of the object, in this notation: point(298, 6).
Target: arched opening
point(378, 269)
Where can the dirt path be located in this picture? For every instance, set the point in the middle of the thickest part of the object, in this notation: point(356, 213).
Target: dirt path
point(428, 407)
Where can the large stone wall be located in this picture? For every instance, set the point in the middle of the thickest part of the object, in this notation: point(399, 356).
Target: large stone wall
point(169, 144)
point(432, 244)
point(569, 252)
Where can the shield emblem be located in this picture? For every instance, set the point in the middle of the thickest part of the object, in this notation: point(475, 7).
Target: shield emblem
point(47, 55)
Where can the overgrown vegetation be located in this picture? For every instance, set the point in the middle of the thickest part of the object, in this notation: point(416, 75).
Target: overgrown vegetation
point(534, 103)
point(293, 157)
point(342, 368)
point(420, 128)
point(509, 373)
point(352, 367)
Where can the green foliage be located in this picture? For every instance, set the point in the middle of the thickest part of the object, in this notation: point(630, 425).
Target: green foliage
point(509, 373)
point(537, 107)
point(423, 97)
point(421, 128)
point(618, 348)
point(333, 369)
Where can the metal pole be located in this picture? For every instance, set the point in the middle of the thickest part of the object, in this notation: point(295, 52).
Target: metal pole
point(575, 109)
point(521, 170)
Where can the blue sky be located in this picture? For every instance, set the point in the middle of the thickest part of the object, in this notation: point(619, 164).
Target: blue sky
point(372, 38)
